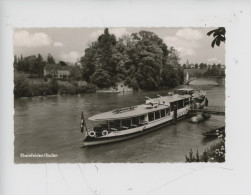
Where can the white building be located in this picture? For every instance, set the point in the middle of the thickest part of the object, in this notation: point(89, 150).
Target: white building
point(57, 71)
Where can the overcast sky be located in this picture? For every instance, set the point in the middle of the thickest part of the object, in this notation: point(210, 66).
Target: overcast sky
point(68, 44)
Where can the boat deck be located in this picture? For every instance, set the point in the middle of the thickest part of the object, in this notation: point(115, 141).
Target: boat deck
point(137, 110)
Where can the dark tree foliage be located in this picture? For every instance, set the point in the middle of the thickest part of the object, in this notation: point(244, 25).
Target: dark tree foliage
point(141, 60)
point(219, 36)
point(90, 61)
point(31, 64)
point(62, 63)
point(76, 74)
point(21, 86)
point(101, 78)
point(15, 60)
point(50, 59)
point(54, 86)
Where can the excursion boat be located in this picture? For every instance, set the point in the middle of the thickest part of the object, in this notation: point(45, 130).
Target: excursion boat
point(129, 122)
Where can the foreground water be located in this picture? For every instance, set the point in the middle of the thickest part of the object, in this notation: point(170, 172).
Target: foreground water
point(50, 125)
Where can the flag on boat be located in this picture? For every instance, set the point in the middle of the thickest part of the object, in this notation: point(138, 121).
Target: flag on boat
point(83, 123)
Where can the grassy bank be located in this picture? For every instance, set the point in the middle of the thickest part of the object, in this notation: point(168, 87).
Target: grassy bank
point(24, 88)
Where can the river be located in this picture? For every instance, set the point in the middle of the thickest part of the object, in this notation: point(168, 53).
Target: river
point(50, 125)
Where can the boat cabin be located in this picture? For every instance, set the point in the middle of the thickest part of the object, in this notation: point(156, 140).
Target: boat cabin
point(136, 116)
point(185, 91)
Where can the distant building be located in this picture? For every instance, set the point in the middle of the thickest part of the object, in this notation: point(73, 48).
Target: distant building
point(192, 66)
point(57, 71)
point(189, 65)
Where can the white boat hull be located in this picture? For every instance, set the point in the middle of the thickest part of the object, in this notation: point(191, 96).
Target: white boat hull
point(133, 132)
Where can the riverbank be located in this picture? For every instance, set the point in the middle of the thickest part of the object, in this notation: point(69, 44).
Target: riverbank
point(24, 88)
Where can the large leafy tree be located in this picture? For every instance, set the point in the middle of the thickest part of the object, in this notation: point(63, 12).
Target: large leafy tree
point(147, 55)
point(139, 59)
point(101, 55)
point(76, 74)
point(90, 61)
point(101, 78)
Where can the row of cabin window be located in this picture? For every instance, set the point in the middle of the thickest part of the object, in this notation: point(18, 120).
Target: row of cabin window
point(158, 114)
point(180, 104)
point(118, 124)
point(151, 116)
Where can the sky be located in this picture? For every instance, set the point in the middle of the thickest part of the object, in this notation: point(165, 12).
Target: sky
point(69, 44)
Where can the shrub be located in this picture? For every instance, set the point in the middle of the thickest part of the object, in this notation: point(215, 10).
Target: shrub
point(21, 86)
point(53, 86)
point(215, 153)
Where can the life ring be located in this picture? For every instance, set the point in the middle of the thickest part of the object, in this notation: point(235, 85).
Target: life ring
point(92, 134)
point(105, 132)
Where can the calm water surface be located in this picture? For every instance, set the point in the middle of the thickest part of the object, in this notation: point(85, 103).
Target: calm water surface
point(51, 125)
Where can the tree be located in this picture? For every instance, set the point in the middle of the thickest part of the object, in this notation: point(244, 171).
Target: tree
point(90, 60)
point(139, 60)
point(50, 59)
point(219, 36)
point(40, 64)
point(184, 66)
point(196, 66)
point(62, 63)
point(53, 86)
point(21, 86)
point(218, 66)
point(201, 65)
point(214, 66)
point(76, 74)
point(101, 54)
point(147, 55)
point(15, 60)
point(171, 77)
point(101, 78)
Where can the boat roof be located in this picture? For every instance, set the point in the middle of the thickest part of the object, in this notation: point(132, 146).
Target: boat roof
point(137, 110)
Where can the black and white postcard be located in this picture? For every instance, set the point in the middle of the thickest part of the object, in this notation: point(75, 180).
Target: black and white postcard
point(125, 97)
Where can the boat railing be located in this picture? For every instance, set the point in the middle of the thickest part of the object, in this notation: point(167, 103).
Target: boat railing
point(124, 109)
point(100, 128)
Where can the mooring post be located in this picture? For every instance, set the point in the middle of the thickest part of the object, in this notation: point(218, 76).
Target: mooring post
point(174, 113)
point(206, 103)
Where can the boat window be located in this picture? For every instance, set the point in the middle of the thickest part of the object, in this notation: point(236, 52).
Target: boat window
point(167, 111)
point(126, 122)
point(141, 119)
point(111, 124)
point(117, 124)
point(186, 101)
point(180, 104)
point(157, 115)
point(151, 116)
point(162, 113)
point(172, 105)
point(135, 120)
